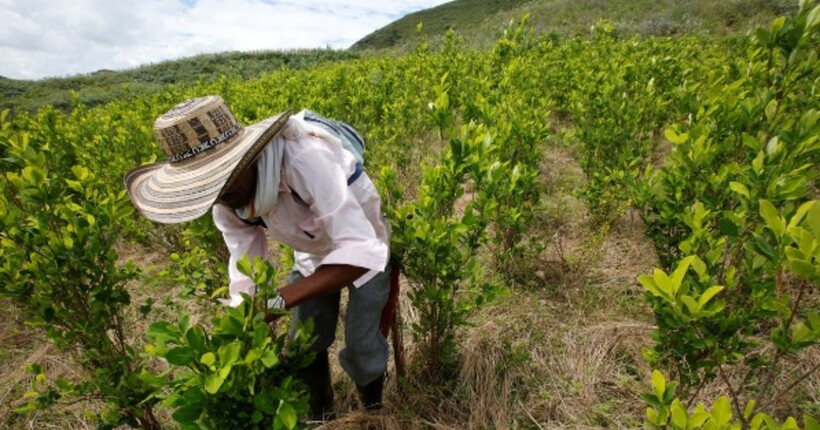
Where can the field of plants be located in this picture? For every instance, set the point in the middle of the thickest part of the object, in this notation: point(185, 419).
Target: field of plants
point(594, 232)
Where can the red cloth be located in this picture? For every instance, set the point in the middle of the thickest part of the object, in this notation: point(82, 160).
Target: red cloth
point(390, 309)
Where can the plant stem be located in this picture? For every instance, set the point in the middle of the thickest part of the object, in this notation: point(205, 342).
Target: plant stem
point(695, 395)
point(734, 395)
point(149, 421)
point(795, 382)
point(780, 353)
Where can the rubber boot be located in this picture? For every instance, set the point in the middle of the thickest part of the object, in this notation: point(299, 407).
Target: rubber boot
point(317, 378)
point(371, 394)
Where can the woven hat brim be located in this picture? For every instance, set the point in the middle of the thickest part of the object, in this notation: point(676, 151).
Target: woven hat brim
point(171, 193)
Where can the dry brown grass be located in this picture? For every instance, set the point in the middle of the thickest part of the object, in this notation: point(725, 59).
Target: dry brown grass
point(560, 357)
point(20, 347)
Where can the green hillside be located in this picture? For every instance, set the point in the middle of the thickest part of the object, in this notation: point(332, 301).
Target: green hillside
point(105, 86)
point(479, 22)
point(460, 15)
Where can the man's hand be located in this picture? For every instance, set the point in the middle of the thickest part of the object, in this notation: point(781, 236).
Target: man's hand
point(276, 308)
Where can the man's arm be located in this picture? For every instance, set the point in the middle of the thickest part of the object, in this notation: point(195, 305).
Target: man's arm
point(241, 239)
point(325, 280)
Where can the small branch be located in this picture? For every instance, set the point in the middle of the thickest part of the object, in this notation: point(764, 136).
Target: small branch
point(534, 421)
point(747, 379)
point(795, 382)
point(81, 399)
point(695, 395)
point(796, 304)
point(733, 393)
point(780, 353)
point(120, 344)
point(724, 264)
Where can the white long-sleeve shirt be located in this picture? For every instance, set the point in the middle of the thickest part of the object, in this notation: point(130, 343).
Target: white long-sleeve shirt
point(320, 216)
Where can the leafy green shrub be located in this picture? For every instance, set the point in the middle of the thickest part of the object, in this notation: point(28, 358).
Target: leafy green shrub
point(238, 376)
point(517, 122)
point(436, 242)
point(620, 99)
point(738, 192)
point(666, 411)
point(59, 227)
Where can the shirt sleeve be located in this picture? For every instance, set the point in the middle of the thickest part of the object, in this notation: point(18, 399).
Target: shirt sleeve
point(320, 180)
point(241, 239)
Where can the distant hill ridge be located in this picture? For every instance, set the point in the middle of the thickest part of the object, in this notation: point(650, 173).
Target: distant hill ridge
point(459, 15)
point(478, 23)
point(103, 86)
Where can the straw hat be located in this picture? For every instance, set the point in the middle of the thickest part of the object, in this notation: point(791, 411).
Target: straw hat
point(206, 148)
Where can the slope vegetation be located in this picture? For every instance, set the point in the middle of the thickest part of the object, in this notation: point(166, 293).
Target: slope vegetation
point(478, 22)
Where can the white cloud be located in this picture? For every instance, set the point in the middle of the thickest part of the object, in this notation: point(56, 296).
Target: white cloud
point(43, 38)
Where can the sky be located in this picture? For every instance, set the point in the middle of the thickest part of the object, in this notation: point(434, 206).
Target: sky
point(57, 38)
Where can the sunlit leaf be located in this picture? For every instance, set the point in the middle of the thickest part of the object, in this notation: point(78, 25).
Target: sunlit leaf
point(213, 383)
point(708, 295)
point(721, 411)
point(208, 359)
point(658, 383)
point(674, 137)
point(772, 217)
point(287, 414)
point(740, 189)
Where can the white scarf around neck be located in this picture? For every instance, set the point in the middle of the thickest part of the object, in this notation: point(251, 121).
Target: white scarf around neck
point(269, 165)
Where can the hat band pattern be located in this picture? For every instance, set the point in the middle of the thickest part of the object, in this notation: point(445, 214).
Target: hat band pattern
point(204, 146)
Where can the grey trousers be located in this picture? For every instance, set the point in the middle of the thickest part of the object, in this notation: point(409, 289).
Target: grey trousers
point(364, 356)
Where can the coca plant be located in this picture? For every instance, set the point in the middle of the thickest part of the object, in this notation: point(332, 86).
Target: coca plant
point(740, 187)
point(517, 123)
point(59, 228)
point(666, 411)
point(437, 242)
point(620, 100)
point(238, 375)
